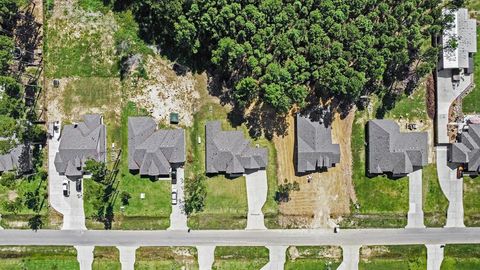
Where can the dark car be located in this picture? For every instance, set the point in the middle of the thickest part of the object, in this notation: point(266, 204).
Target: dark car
point(66, 188)
point(174, 177)
point(78, 185)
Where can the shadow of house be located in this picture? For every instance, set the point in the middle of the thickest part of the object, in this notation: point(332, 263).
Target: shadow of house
point(392, 152)
point(314, 150)
point(466, 152)
point(80, 142)
point(154, 153)
point(230, 153)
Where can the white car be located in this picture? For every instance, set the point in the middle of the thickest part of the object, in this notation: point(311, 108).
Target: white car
point(66, 188)
point(174, 196)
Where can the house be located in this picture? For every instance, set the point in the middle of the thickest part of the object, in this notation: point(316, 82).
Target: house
point(459, 41)
point(80, 142)
point(466, 151)
point(19, 158)
point(154, 152)
point(393, 152)
point(230, 153)
point(314, 149)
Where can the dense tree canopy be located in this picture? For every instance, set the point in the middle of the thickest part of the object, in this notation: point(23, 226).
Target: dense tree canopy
point(284, 50)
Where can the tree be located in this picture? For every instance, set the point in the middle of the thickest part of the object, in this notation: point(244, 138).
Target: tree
point(6, 48)
point(32, 200)
point(125, 197)
point(195, 194)
point(8, 10)
point(98, 170)
point(35, 222)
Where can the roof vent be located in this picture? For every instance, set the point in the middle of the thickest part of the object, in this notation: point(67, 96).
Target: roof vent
point(75, 124)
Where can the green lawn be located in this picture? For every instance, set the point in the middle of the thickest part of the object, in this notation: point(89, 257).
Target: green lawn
point(240, 258)
point(106, 258)
point(38, 258)
point(393, 257)
point(471, 204)
point(434, 202)
point(166, 258)
point(461, 257)
point(226, 202)
point(313, 257)
point(471, 103)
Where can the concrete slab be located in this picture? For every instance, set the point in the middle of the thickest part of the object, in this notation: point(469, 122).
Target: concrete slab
point(451, 187)
point(70, 207)
point(206, 257)
point(85, 256)
point(127, 257)
point(434, 256)
point(277, 256)
point(351, 257)
point(257, 188)
point(415, 211)
point(178, 218)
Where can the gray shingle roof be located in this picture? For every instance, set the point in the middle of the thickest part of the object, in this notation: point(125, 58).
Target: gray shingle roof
point(467, 150)
point(11, 160)
point(229, 152)
point(80, 142)
point(391, 151)
point(314, 146)
point(154, 152)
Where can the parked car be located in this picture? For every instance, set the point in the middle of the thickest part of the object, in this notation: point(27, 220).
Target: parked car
point(66, 188)
point(336, 229)
point(174, 177)
point(174, 197)
point(78, 185)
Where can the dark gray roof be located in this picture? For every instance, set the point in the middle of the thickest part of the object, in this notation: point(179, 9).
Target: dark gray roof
point(80, 142)
point(229, 152)
point(314, 146)
point(391, 151)
point(467, 150)
point(154, 152)
point(11, 160)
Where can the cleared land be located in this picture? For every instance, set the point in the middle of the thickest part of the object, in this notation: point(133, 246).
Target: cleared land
point(248, 258)
point(313, 258)
point(328, 193)
point(393, 257)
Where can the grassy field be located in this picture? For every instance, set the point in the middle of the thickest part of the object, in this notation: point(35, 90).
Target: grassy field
point(313, 258)
point(434, 202)
point(226, 202)
point(461, 257)
point(471, 204)
point(166, 258)
point(393, 257)
point(240, 258)
point(38, 258)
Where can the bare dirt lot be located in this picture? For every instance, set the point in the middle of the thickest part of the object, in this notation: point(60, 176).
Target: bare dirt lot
point(328, 193)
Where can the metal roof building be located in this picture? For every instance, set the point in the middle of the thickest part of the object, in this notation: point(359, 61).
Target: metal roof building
point(314, 146)
point(154, 152)
point(229, 152)
point(467, 150)
point(393, 152)
point(463, 30)
point(79, 143)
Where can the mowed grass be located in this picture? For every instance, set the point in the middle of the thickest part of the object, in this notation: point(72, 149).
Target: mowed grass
point(471, 203)
point(313, 257)
point(166, 258)
point(434, 202)
point(461, 257)
point(106, 258)
point(247, 258)
point(38, 258)
point(226, 202)
point(471, 103)
point(393, 257)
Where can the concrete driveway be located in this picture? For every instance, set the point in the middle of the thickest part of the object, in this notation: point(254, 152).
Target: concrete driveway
point(70, 207)
point(451, 187)
point(178, 218)
point(415, 189)
point(256, 196)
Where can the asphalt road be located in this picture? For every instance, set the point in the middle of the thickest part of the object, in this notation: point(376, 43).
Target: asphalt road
point(242, 237)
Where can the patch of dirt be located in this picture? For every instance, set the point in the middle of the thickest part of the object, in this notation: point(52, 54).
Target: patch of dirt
point(425, 125)
point(165, 92)
point(329, 193)
point(12, 195)
point(367, 252)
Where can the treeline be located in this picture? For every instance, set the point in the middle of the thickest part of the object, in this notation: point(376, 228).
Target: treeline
point(282, 51)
